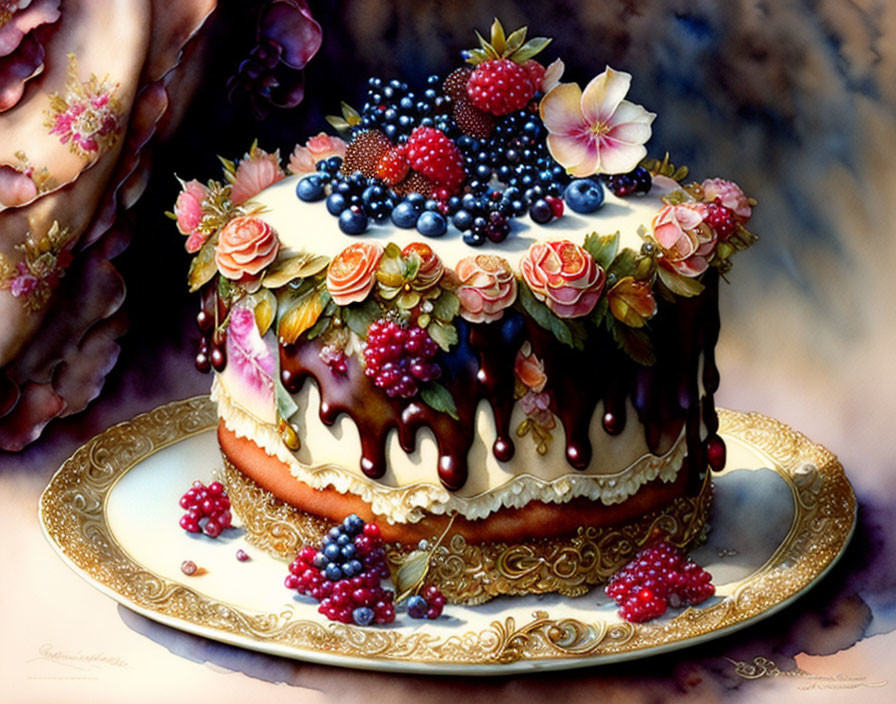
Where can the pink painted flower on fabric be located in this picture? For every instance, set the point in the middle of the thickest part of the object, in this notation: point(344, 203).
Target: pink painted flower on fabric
point(245, 246)
point(688, 243)
point(322, 146)
point(730, 195)
point(255, 173)
point(249, 354)
point(596, 131)
point(487, 287)
point(564, 276)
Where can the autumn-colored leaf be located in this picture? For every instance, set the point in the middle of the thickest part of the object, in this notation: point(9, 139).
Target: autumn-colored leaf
point(301, 317)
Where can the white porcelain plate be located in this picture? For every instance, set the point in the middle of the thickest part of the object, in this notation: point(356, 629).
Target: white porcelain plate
point(783, 512)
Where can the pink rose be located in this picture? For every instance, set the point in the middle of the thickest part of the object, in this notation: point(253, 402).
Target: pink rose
point(303, 160)
point(351, 274)
point(188, 210)
point(245, 246)
point(564, 276)
point(254, 174)
point(730, 195)
point(431, 268)
point(687, 242)
point(529, 369)
point(488, 286)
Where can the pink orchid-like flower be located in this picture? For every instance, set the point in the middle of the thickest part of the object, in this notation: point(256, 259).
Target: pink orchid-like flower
point(730, 195)
point(255, 173)
point(247, 351)
point(352, 273)
point(246, 245)
point(487, 287)
point(564, 276)
point(688, 243)
point(322, 146)
point(596, 130)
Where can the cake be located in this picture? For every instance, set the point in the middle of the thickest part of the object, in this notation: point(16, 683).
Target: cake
point(484, 320)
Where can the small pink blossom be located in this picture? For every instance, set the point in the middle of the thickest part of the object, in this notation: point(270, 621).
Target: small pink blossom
point(537, 408)
point(188, 209)
point(23, 285)
point(248, 353)
point(529, 369)
point(596, 130)
point(730, 195)
point(255, 173)
point(688, 243)
point(564, 276)
point(322, 146)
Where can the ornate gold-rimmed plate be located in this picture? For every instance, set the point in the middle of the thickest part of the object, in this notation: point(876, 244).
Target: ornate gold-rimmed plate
point(111, 512)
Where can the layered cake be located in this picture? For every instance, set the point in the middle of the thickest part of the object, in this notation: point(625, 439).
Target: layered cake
point(481, 318)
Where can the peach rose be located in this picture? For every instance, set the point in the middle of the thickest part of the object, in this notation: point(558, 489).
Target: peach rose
point(564, 276)
point(688, 243)
point(351, 274)
point(304, 160)
point(730, 195)
point(488, 286)
point(431, 268)
point(254, 174)
point(245, 246)
point(529, 369)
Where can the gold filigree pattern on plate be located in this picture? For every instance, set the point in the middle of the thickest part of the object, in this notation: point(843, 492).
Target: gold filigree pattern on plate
point(72, 516)
point(473, 574)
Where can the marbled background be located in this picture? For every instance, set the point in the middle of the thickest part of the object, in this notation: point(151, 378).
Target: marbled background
point(796, 101)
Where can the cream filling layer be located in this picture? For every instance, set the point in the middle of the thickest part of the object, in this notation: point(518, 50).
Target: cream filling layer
point(329, 458)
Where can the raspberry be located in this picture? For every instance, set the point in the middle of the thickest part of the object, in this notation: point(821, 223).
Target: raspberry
point(536, 72)
point(657, 577)
point(208, 509)
point(364, 151)
point(721, 219)
point(435, 156)
point(455, 85)
point(500, 86)
point(398, 358)
point(393, 166)
point(471, 120)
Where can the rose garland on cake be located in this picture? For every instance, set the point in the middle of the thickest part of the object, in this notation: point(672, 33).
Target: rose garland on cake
point(417, 164)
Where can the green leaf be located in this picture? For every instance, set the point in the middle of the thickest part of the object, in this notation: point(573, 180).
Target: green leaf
point(477, 56)
point(203, 267)
point(624, 264)
point(682, 285)
point(352, 116)
point(498, 39)
point(229, 166)
point(338, 123)
point(635, 342)
point(444, 334)
point(359, 316)
point(300, 266)
point(602, 248)
point(439, 398)
point(570, 333)
point(515, 40)
point(286, 406)
point(409, 577)
point(446, 306)
point(530, 49)
point(600, 310)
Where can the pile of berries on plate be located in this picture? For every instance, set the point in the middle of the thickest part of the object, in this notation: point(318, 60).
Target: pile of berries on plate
point(658, 577)
point(208, 509)
point(345, 576)
point(469, 150)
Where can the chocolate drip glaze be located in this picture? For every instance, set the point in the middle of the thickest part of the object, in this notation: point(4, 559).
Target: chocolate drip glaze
point(666, 396)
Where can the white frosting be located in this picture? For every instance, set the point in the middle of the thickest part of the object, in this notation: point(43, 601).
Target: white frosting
point(304, 226)
point(329, 457)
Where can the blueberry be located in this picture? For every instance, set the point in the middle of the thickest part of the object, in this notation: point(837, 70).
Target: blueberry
point(417, 200)
point(310, 188)
point(462, 220)
point(334, 163)
point(334, 532)
point(320, 560)
point(417, 606)
point(336, 203)
point(331, 552)
point(584, 195)
point(356, 566)
point(352, 222)
point(348, 570)
point(333, 572)
point(431, 224)
point(348, 551)
point(363, 616)
point(474, 238)
point(352, 524)
point(405, 215)
point(541, 211)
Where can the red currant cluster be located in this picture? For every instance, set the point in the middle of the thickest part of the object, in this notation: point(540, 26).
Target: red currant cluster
point(334, 357)
point(721, 219)
point(427, 604)
point(398, 358)
point(208, 509)
point(344, 575)
point(658, 577)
